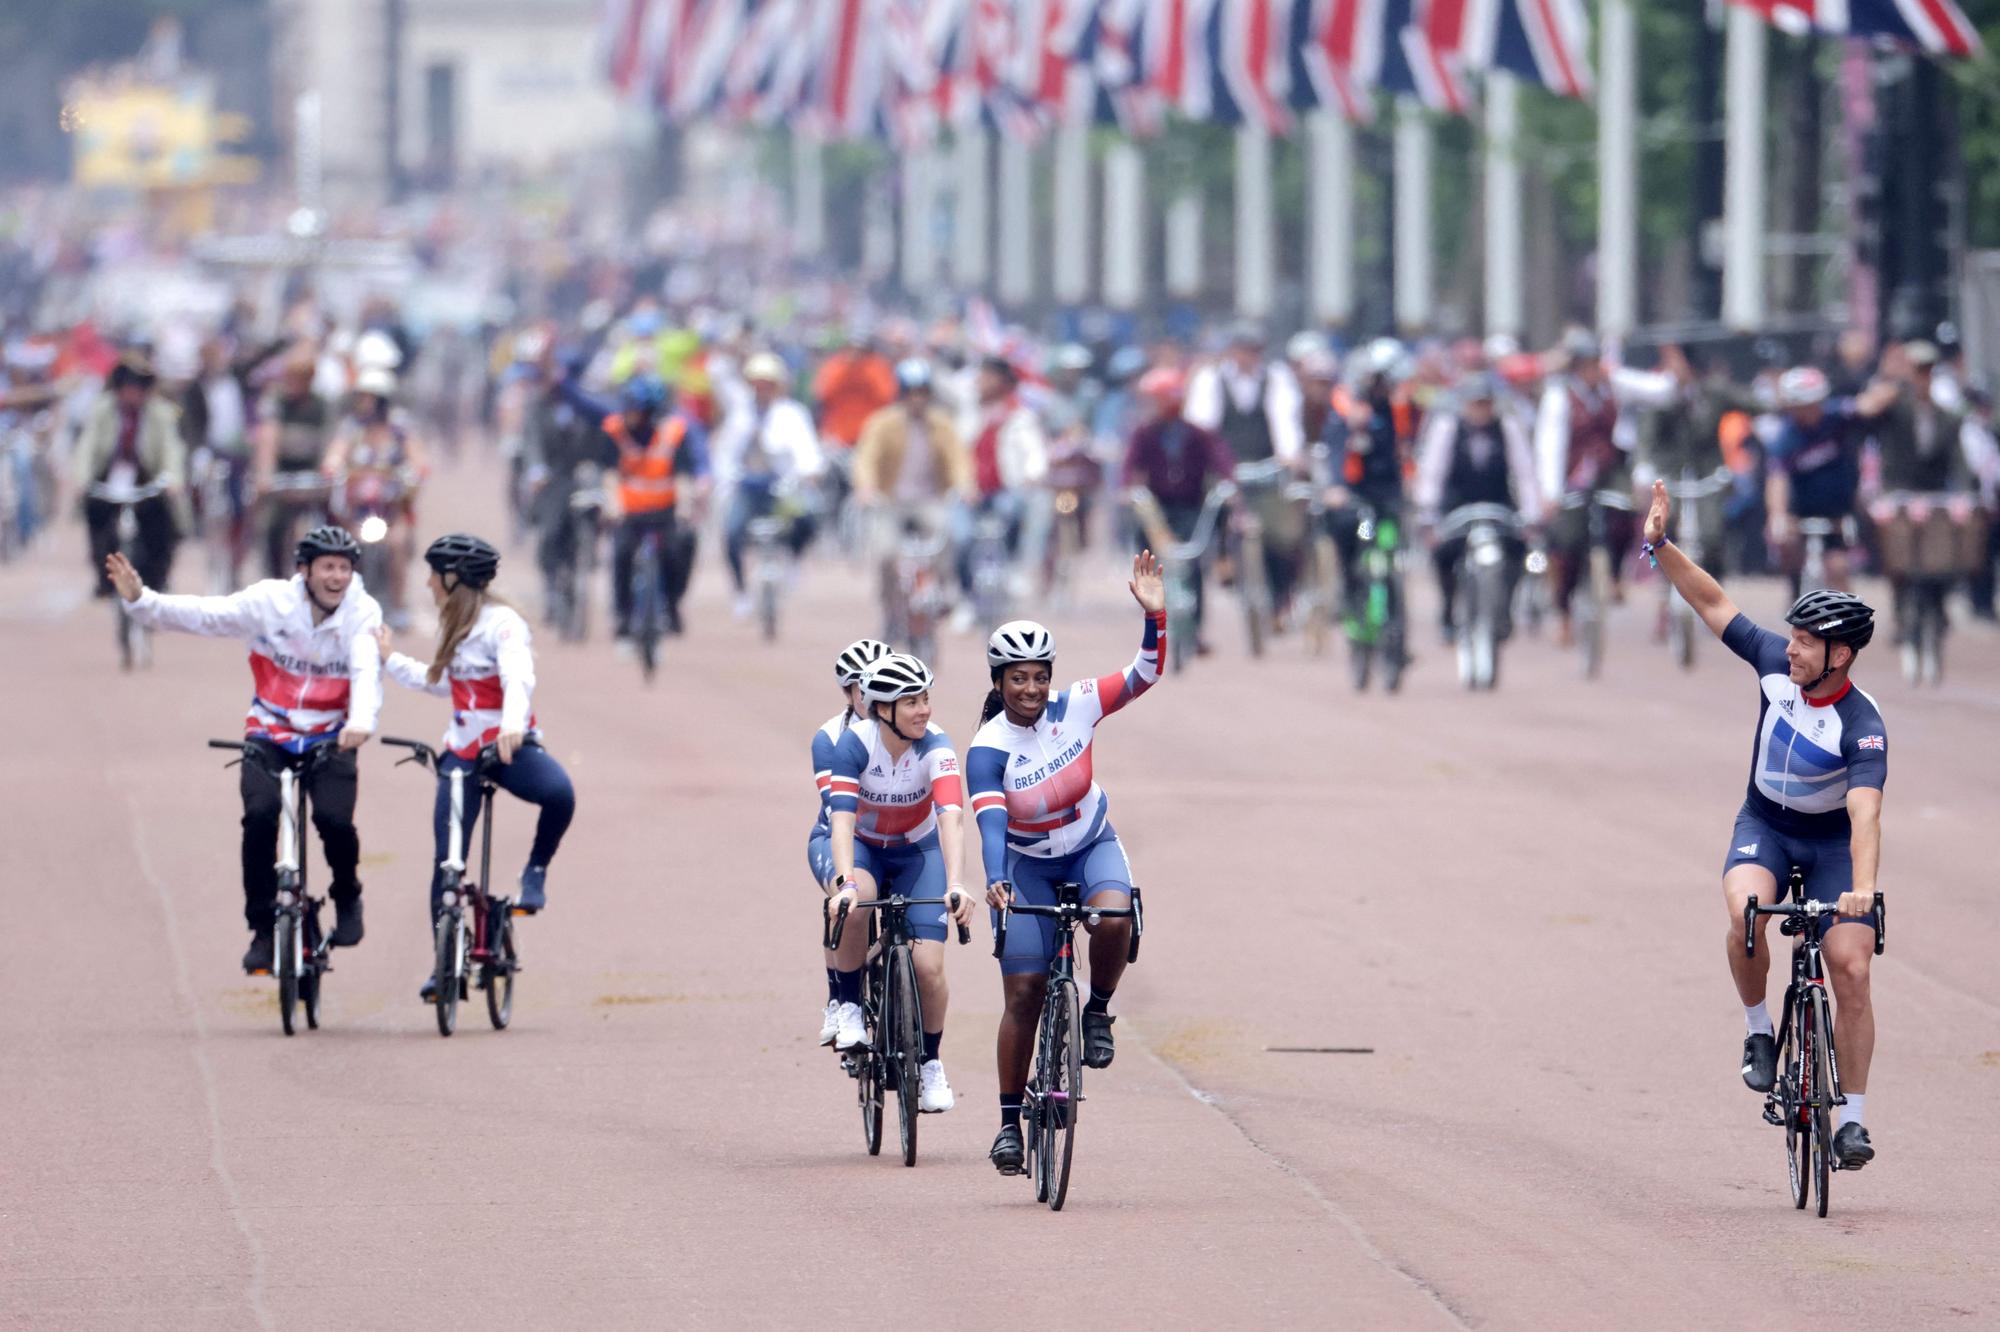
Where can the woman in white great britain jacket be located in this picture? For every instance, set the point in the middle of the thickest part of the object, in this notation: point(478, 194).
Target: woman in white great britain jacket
point(315, 661)
point(484, 665)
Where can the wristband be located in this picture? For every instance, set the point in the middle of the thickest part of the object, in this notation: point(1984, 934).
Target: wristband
point(1647, 548)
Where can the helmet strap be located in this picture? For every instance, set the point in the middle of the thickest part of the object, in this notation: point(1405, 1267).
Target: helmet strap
point(1826, 662)
point(890, 720)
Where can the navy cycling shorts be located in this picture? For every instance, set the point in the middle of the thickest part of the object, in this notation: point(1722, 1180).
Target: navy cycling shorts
point(1827, 861)
point(819, 856)
point(1100, 867)
point(913, 871)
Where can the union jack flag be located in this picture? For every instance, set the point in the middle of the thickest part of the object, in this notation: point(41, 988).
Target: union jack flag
point(1871, 742)
point(1937, 26)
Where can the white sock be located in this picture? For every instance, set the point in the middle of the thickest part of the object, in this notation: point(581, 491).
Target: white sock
point(1758, 1019)
point(1851, 1112)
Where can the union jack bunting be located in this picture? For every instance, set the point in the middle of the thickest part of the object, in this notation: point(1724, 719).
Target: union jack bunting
point(1936, 26)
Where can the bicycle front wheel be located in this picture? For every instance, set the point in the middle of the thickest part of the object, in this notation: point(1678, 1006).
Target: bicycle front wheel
point(905, 1046)
point(1793, 1083)
point(1822, 1131)
point(500, 969)
point(285, 960)
point(445, 974)
point(1061, 1079)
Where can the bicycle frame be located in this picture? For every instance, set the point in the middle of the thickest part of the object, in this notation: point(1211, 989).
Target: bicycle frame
point(292, 904)
point(1069, 912)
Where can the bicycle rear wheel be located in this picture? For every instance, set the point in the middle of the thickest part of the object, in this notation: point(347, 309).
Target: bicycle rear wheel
point(445, 973)
point(905, 1049)
point(500, 971)
point(1062, 1093)
point(285, 960)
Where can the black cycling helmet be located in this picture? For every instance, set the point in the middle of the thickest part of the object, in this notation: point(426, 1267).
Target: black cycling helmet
point(1836, 616)
point(473, 560)
point(328, 541)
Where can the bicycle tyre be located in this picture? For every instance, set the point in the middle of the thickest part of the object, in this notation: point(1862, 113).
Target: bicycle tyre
point(1256, 594)
point(445, 974)
point(646, 614)
point(1360, 660)
point(284, 961)
point(309, 976)
point(1791, 1103)
point(767, 609)
point(869, 1080)
point(1600, 601)
point(500, 972)
point(1822, 1106)
point(905, 1032)
point(1062, 1092)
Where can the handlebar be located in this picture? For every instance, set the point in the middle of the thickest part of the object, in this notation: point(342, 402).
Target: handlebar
point(98, 490)
point(1712, 484)
point(1806, 911)
point(1608, 499)
point(835, 922)
point(267, 755)
point(1467, 516)
point(1072, 912)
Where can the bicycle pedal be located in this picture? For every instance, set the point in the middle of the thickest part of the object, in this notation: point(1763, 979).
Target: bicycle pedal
point(1772, 1115)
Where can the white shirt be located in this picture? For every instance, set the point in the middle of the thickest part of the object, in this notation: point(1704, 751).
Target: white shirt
point(782, 432)
point(1632, 388)
point(1284, 404)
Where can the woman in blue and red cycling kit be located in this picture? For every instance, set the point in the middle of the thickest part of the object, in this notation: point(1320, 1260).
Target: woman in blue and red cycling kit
point(848, 668)
point(1043, 821)
point(894, 798)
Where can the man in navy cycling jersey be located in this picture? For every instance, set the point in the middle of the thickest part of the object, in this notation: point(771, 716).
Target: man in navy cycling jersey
point(1817, 767)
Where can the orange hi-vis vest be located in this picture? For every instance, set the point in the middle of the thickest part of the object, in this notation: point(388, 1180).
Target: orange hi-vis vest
point(646, 475)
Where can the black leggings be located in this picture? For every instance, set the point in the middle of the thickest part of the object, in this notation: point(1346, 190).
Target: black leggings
point(330, 790)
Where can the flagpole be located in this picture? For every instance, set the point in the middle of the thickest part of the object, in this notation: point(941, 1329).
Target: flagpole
point(1255, 241)
point(969, 227)
point(1330, 180)
point(1743, 172)
point(1618, 170)
point(1183, 242)
point(808, 195)
point(1413, 218)
point(1124, 226)
point(1071, 259)
point(1016, 278)
point(1505, 257)
point(919, 233)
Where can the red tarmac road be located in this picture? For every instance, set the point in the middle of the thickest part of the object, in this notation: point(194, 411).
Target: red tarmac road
point(1512, 901)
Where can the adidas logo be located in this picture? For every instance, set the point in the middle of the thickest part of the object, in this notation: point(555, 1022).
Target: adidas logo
point(876, 771)
point(1749, 850)
point(1020, 760)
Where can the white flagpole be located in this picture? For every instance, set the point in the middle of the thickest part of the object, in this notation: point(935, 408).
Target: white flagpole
point(1183, 241)
point(1743, 201)
point(969, 226)
point(1618, 170)
point(920, 252)
point(1505, 254)
point(1255, 238)
point(808, 195)
point(1413, 218)
point(1016, 284)
point(1071, 259)
point(1330, 180)
point(1124, 226)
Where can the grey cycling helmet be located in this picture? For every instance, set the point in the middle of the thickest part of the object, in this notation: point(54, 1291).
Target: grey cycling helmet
point(898, 675)
point(1019, 641)
point(855, 659)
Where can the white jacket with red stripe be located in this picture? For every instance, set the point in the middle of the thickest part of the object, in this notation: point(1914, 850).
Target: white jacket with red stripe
point(311, 679)
point(491, 681)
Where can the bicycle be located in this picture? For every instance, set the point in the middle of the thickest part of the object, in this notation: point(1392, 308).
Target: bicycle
point(1595, 590)
point(649, 600)
point(771, 558)
point(894, 1054)
point(1376, 626)
point(1808, 1085)
point(1815, 534)
point(992, 576)
point(1261, 485)
point(917, 591)
point(293, 501)
point(1054, 1094)
point(1928, 542)
point(1316, 601)
point(300, 952)
point(1480, 577)
point(135, 641)
point(481, 952)
point(1690, 496)
point(1183, 561)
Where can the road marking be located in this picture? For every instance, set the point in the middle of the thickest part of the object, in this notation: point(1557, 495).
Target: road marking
point(216, 1157)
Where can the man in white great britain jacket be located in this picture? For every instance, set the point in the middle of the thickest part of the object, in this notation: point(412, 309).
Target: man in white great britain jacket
point(317, 669)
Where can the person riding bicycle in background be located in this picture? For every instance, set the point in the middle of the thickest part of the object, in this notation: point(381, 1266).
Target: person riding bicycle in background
point(848, 668)
point(376, 449)
point(1815, 462)
point(316, 666)
point(484, 664)
point(1179, 464)
point(1817, 769)
point(131, 440)
point(216, 423)
point(910, 466)
point(561, 451)
point(1474, 455)
point(895, 799)
point(1254, 404)
point(1583, 441)
point(765, 452)
point(1010, 465)
point(1044, 821)
point(1367, 432)
point(851, 385)
point(294, 423)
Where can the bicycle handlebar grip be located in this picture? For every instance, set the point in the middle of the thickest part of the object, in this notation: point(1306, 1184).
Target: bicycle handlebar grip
point(1138, 928)
point(1000, 930)
point(1750, 928)
point(226, 744)
point(837, 922)
point(1881, 926)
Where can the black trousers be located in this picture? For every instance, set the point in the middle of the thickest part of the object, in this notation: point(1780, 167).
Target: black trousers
point(157, 537)
point(330, 789)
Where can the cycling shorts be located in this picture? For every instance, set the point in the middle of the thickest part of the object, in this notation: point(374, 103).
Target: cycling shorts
point(819, 856)
point(1100, 866)
point(914, 870)
point(1828, 862)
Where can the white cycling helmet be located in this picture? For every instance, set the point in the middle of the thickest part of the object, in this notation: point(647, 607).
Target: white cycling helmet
point(855, 659)
point(895, 676)
point(1019, 641)
point(1803, 387)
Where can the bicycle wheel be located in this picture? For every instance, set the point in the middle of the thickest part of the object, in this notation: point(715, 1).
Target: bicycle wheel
point(905, 1048)
point(309, 975)
point(1822, 1109)
point(445, 973)
point(1256, 595)
point(1798, 1132)
point(500, 971)
point(1360, 660)
point(767, 608)
point(646, 625)
point(1930, 639)
point(869, 1079)
point(1062, 1093)
point(1680, 634)
point(284, 959)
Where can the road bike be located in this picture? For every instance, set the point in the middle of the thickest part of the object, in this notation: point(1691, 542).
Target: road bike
point(1801, 1101)
point(135, 641)
point(916, 590)
point(1597, 589)
point(474, 949)
point(893, 1058)
point(1691, 495)
point(1054, 1094)
point(1480, 612)
point(300, 952)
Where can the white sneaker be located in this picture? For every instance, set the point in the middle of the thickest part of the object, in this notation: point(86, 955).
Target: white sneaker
point(829, 1025)
point(936, 1097)
point(850, 1027)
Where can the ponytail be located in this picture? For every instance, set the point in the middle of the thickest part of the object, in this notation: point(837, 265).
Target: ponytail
point(847, 717)
point(994, 703)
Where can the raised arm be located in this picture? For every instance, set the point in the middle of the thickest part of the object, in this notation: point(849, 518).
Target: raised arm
point(1148, 588)
point(237, 615)
point(1696, 587)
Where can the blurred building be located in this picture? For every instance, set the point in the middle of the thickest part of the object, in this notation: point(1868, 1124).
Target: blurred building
point(430, 93)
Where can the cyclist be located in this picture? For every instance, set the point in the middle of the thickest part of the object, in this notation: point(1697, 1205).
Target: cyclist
point(1815, 801)
point(1043, 821)
point(1474, 455)
point(293, 425)
point(377, 460)
point(315, 661)
point(1366, 434)
point(1010, 466)
point(1816, 461)
point(895, 801)
point(765, 449)
point(484, 665)
point(911, 464)
point(132, 439)
point(848, 668)
point(1180, 464)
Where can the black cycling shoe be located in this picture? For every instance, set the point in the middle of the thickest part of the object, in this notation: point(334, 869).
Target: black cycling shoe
point(1098, 1047)
point(260, 955)
point(346, 923)
point(1760, 1061)
point(1851, 1147)
point(429, 993)
point(1008, 1151)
